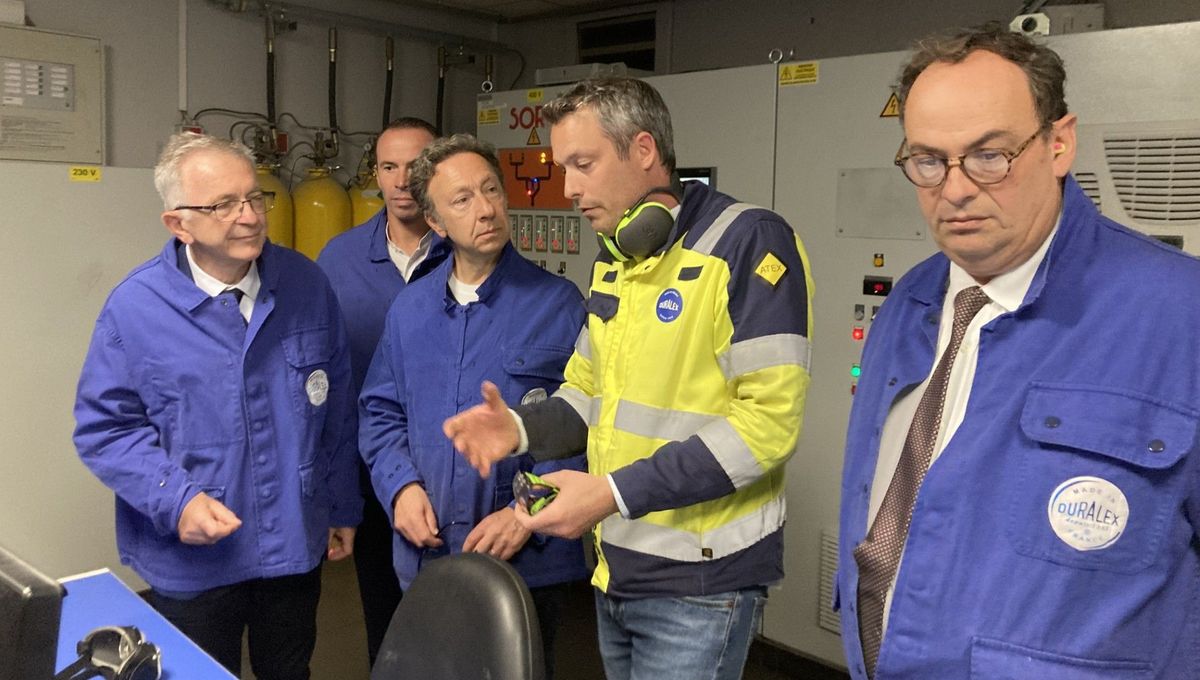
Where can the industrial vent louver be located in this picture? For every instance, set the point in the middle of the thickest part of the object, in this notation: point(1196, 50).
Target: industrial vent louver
point(1157, 176)
point(826, 617)
point(1091, 186)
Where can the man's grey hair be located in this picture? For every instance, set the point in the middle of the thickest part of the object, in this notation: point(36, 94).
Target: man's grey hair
point(177, 149)
point(423, 167)
point(1042, 66)
point(624, 107)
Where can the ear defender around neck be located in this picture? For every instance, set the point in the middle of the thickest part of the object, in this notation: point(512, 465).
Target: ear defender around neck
point(644, 228)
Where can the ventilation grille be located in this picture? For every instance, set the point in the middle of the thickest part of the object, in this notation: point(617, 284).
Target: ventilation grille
point(1157, 176)
point(826, 617)
point(1091, 186)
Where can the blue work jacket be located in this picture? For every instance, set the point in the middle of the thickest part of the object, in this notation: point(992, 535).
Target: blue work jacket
point(366, 281)
point(431, 361)
point(1056, 534)
point(179, 395)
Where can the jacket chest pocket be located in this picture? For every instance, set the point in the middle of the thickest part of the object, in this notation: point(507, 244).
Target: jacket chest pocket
point(532, 373)
point(1103, 478)
point(307, 353)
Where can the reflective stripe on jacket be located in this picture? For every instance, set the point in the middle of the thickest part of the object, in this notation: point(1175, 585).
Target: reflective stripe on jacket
point(691, 376)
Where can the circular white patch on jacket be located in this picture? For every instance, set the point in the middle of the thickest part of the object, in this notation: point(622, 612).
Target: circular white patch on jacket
point(1088, 513)
point(537, 394)
point(317, 387)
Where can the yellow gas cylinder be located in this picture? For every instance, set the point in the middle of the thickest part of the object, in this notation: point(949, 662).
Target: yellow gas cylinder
point(322, 211)
point(365, 198)
point(279, 221)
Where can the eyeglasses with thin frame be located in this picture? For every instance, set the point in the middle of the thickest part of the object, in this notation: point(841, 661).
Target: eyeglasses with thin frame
point(982, 166)
point(260, 203)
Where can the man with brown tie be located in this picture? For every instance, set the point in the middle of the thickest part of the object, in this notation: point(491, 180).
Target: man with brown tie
point(1020, 495)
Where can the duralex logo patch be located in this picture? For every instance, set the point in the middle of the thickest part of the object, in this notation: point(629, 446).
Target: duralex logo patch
point(1088, 513)
point(669, 306)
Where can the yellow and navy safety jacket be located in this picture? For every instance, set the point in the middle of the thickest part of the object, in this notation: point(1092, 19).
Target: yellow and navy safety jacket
point(691, 375)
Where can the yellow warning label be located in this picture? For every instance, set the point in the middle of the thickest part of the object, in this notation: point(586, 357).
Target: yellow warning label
point(533, 140)
point(892, 108)
point(84, 173)
point(798, 73)
point(489, 116)
point(533, 96)
point(771, 268)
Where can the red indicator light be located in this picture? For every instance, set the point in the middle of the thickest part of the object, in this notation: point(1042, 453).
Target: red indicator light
point(857, 333)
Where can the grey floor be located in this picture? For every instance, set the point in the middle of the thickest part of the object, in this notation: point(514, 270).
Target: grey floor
point(341, 642)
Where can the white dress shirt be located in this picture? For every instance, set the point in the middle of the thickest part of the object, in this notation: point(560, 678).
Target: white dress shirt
point(249, 284)
point(404, 262)
point(1006, 292)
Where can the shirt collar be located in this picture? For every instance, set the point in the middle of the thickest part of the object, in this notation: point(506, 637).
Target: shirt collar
point(422, 245)
point(249, 284)
point(1008, 289)
point(488, 287)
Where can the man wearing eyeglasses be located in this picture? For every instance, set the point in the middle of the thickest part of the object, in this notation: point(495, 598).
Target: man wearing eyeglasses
point(1020, 494)
point(215, 402)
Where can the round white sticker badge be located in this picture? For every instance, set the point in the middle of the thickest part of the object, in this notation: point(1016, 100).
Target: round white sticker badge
point(1088, 513)
point(537, 394)
point(317, 387)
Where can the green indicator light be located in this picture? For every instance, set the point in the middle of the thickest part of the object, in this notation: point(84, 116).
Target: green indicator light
point(855, 370)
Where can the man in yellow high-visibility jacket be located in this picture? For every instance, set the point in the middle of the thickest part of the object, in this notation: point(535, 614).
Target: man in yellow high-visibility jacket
point(687, 388)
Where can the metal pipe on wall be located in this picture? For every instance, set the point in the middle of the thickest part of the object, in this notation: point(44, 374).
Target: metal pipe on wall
point(441, 88)
point(389, 52)
point(333, 126)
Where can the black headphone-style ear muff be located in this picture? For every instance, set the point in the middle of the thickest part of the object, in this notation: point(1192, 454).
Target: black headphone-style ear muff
point(115, 653)
point(645, 227)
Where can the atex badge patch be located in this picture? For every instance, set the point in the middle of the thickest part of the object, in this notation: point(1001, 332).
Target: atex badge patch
point(1088, 513)
point(770, 268)
point(317, 387)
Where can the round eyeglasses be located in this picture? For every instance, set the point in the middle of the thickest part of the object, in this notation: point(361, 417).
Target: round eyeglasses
point(982, 166)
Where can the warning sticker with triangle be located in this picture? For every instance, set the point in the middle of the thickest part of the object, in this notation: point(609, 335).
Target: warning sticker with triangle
point(799, 73)
point(533, 140)
point(892, 108)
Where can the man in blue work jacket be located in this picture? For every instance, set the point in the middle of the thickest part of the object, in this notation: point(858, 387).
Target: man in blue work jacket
point(486, 313)
point(215, 401)
point(1011, 381)
point(367, 266)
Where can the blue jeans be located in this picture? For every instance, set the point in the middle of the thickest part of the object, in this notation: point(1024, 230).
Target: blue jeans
point(703, 637)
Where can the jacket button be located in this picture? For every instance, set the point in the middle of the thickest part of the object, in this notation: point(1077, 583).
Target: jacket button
point(1052, 422)
point(1157, 446)
point(891, 382)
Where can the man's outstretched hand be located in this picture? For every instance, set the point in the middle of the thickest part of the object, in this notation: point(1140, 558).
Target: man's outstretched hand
point(485, 433)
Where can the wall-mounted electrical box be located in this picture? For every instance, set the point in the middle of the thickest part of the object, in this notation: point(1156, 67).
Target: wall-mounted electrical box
point(51, 96)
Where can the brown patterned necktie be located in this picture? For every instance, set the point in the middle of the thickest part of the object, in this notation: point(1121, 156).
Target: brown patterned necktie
point(879, 555)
